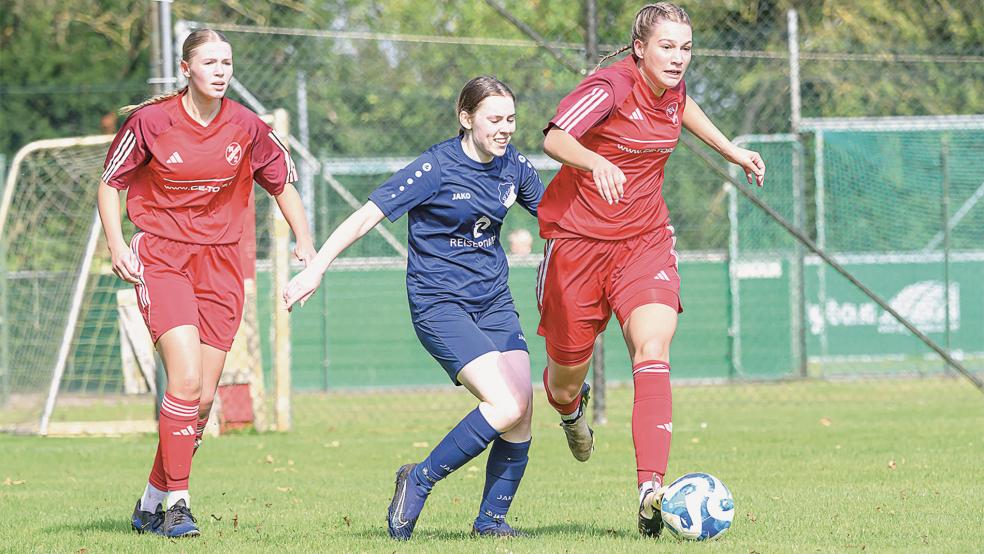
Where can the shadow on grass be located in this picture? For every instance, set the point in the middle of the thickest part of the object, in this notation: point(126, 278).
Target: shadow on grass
point(110, 525)
point(572, 530)
point(566, 530)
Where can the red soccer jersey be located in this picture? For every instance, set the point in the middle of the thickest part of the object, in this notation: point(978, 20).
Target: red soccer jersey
point(615, 114)
point(190, 183)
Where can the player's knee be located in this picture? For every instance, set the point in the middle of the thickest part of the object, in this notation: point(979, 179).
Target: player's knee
point(656, 348)
point(186, 384)
point(565, 394)
point(510, 410)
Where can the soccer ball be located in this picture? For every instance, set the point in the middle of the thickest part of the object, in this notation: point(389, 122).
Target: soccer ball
point(697, 507)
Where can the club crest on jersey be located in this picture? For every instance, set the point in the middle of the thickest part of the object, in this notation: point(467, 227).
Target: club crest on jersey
point(507, 193)
point(482, 224)
point(233, 153)
point(671, 111)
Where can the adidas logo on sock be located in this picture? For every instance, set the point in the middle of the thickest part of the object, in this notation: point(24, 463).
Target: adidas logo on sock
point(189, 430)
point(175, 159)
point(637, 115)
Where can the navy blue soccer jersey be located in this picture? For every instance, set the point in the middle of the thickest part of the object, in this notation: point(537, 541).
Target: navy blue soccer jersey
point(456, 206)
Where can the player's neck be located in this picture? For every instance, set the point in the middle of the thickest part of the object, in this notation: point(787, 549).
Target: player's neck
point(657, 90)
point(202, 110)
point(468, 145)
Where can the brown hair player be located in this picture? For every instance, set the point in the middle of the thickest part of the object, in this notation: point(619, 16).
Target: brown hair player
point(456, 196)
point(187, 160)
point(610, 245)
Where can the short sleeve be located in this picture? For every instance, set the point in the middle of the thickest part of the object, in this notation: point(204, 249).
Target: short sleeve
point(127, 154)
point(270, 162)
point(586, 106)
point(408, 188)
point(530, 186)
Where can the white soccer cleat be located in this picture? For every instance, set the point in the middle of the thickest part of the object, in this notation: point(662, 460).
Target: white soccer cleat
point(580, 437)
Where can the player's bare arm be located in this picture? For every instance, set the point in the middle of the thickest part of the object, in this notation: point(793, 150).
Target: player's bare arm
point(125, 263)
point(697, 122)
point(290, 205)
point(608, 178)
point(355, 226)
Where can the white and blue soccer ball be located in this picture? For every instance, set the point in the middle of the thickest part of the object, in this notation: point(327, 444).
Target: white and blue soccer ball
point(697, 507)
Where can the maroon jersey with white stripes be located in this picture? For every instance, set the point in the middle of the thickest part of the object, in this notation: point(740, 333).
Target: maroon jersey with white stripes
point(615, 114)
point(191, 183)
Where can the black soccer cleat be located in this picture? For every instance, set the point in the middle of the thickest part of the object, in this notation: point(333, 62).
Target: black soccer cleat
point(178, 522)
point(499, 529)
point(147, 522)
point(406, 505)
point(651, 526)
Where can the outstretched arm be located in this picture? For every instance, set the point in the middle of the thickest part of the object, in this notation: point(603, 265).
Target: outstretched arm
point(290, 205)
point(697, 122)
point(303, 285)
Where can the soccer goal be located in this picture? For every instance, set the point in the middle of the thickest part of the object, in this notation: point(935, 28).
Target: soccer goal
point(74, 356)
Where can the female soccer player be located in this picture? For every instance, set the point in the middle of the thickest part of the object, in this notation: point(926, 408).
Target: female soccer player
point(457, 194)
point(188, 160)
point(610, 244)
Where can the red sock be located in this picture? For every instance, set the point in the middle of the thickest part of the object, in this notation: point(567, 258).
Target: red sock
point(652, 419)
point(177, 439)
point(157, 477)
point(562, 409)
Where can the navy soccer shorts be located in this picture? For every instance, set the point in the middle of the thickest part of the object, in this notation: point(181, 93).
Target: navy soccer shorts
point(455, 337)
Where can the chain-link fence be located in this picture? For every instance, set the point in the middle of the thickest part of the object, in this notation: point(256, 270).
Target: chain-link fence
point(365, 102)
point(371, 85)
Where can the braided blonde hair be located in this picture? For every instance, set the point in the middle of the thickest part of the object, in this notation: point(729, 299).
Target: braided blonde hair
point(194, 40)
point(646, 20)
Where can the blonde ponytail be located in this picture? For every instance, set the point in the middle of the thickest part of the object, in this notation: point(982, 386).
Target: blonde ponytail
point(127, 110)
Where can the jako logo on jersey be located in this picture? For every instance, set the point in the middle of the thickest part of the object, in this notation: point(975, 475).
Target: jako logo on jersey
point(507, 193)
point(482, 224)
point(175, 159)
point(233, 153)
point(671, 111)
point(461, 196)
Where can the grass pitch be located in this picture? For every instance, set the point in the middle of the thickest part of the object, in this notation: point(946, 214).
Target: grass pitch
point(814, 467)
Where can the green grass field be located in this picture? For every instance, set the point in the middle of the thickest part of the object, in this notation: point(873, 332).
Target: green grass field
point(814, 467)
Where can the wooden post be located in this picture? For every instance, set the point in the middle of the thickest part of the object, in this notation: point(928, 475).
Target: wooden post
point(279, 252)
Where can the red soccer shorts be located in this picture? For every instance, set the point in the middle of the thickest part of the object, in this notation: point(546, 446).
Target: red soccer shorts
point(582, 280)
point(190, 284)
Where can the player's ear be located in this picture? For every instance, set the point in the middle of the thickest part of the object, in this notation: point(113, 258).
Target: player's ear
point(465, 119)
point(185, 69)
point(638, 47)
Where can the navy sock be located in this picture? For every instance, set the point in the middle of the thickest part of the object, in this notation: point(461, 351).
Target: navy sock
point(503, 472)
point(468, 439)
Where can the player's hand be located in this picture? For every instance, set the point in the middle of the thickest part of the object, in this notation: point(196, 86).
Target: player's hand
point(751, 162)
point(126, 265)
point(304, 253)
point(301, 287)
point(609, 180)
